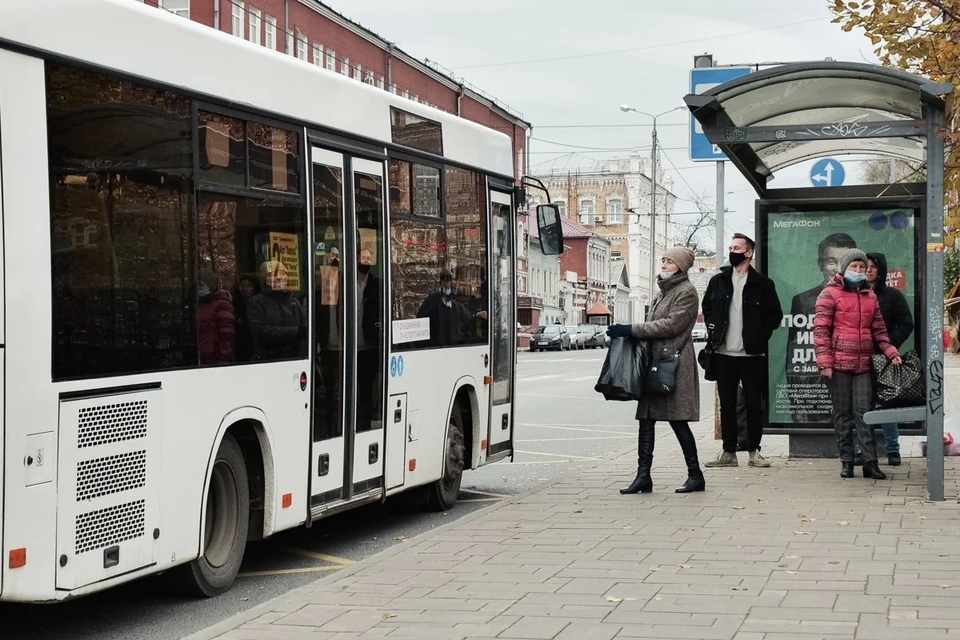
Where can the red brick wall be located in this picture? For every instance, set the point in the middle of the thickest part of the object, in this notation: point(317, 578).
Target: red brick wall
point(574, 258)
point(347, 44)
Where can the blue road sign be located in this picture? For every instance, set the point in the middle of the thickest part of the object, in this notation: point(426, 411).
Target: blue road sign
point(827, 172)
point(702, 80)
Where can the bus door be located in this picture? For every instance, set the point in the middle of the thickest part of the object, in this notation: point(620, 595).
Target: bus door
point(503, 323)
point(348, 338)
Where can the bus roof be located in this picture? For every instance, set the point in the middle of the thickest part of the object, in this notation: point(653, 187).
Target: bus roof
point(158, 46)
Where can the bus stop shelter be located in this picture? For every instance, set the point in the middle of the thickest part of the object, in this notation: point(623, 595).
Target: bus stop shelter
point(773, 119)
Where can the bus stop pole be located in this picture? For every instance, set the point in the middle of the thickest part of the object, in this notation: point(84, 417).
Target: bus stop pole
point(933, 270)
point(721, 232)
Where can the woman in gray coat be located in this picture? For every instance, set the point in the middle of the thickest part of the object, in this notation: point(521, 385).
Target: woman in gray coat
point(671, 319)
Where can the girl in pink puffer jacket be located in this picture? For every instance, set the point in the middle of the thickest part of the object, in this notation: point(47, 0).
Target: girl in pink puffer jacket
point(846, 327)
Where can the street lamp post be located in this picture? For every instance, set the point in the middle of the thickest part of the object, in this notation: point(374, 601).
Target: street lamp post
point(653, 192)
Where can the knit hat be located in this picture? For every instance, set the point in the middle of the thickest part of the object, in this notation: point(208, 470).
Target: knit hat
point(682, 256)
point(851, 255)
point(209, 278)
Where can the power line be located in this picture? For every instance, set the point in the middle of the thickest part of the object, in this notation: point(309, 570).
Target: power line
point(646, 48)
point(606, 126)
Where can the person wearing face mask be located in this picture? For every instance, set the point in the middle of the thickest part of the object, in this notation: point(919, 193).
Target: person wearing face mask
point(215, 320)
point(368, 341)
point(449, 318)
point(278, 324)
point(847, 325)
point(741, 309)
point(673, 312)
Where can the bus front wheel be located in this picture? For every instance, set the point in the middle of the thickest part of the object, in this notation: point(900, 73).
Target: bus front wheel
point(225, 528)
point(442, 495)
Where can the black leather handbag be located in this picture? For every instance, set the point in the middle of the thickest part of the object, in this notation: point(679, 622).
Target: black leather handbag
point(662, 375)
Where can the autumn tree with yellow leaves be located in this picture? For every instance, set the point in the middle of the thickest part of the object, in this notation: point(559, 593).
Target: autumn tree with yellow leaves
point(922, 37)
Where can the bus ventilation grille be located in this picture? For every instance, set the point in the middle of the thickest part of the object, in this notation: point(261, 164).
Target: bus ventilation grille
point(110, 526)
point(112, 474)
point(112, 423)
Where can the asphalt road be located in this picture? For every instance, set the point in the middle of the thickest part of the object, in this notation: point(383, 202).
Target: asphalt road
point(562, 425)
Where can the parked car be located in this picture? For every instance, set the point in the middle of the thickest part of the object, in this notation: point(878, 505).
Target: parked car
point(594, 335)
point(577, 339)
point(699, 333)
point(551, 336)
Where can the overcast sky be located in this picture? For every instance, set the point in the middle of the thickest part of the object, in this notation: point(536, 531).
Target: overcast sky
point(564, 64)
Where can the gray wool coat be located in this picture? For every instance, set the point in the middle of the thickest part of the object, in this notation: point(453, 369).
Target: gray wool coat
point(671, 320)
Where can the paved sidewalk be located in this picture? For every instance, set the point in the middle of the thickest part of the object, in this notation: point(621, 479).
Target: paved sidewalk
point(788, 552)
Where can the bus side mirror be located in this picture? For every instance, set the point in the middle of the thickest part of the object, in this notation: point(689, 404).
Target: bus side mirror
point(550, 229)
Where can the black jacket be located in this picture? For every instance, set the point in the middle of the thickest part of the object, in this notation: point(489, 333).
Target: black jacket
point(762, 312)
point(893, 304)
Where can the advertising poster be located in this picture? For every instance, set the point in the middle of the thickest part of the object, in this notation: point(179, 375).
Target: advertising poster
point(803, 252)
point(285, 249)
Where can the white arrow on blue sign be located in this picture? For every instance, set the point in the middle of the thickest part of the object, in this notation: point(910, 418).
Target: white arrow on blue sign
point(827, 172)
point(701, 81)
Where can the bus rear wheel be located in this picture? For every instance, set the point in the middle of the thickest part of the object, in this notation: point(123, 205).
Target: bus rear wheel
point(442, 494)
point(225, 529)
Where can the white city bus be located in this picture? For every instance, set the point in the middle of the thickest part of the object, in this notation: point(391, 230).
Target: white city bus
point(240, 293)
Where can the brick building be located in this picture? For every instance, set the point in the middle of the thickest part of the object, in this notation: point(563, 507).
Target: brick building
point(318, 35)
point(585, 263)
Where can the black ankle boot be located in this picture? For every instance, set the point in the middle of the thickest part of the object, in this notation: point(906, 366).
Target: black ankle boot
point(645, 439)
point(846, 469)
point(872, 470)
point(693, 483)
point(643, 483)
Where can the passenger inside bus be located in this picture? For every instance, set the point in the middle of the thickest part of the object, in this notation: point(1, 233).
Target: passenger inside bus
point(369, 292)
point(450, 321)
point(215, 320)
point(278, 323)
point(247, 287)
point(329, 322)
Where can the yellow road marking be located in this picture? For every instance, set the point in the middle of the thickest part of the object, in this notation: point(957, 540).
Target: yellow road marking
point(343, 562)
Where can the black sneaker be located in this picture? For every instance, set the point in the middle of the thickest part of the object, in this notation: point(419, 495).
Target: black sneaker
point(893, 459)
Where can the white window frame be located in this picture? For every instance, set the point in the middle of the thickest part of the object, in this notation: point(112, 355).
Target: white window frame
point(345, 67)
point(405, 94)
point(331, 60)
point(562, 206)
point(614, 217)
point(584, 217)
point(301, 47)
point(178, 8)
point(237, 15)
point(393, 88)
point(380, 82)
point(368, 77)
point(289, 41)
point(270, 33)
point(318, 54)
point(253, 28)
point(357, 72)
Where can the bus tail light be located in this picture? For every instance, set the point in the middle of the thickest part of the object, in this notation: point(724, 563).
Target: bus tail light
point(487, 379)
point(18, 558)
point(483, 445)
point(412, 466)
point(286, 500)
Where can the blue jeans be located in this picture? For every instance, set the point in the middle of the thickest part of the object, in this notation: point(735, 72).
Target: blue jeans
point(891, 436)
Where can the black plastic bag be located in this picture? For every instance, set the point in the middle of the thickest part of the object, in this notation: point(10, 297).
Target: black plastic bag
point(900, 385)
point(624, 369)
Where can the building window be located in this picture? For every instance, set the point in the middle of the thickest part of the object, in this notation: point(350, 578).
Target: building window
point(289, 40)
point(121, 215)
point(254, 34)
point(345, 67)
point(317, 54)
point(393, 88)
point(405, 94)
point(331, 60)
point(357, 73)
point(586, 211)
point(237, 14)
point(614, 210)
point(301, 48)
point(561, 207)
point(270, 32)
point(179, 7)
point(368, 77)
point(379, 82)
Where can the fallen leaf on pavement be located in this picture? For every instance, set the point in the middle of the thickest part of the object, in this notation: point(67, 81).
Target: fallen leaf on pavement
point(612, 599)
point(944, 586)
point(801, 533)
point(685, 566)
point(388, 615)
point(843, 523)
point(739, 508)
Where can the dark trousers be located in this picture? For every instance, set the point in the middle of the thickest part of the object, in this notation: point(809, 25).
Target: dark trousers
point(852, 396)
point(731, 373)
point(688, 444)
